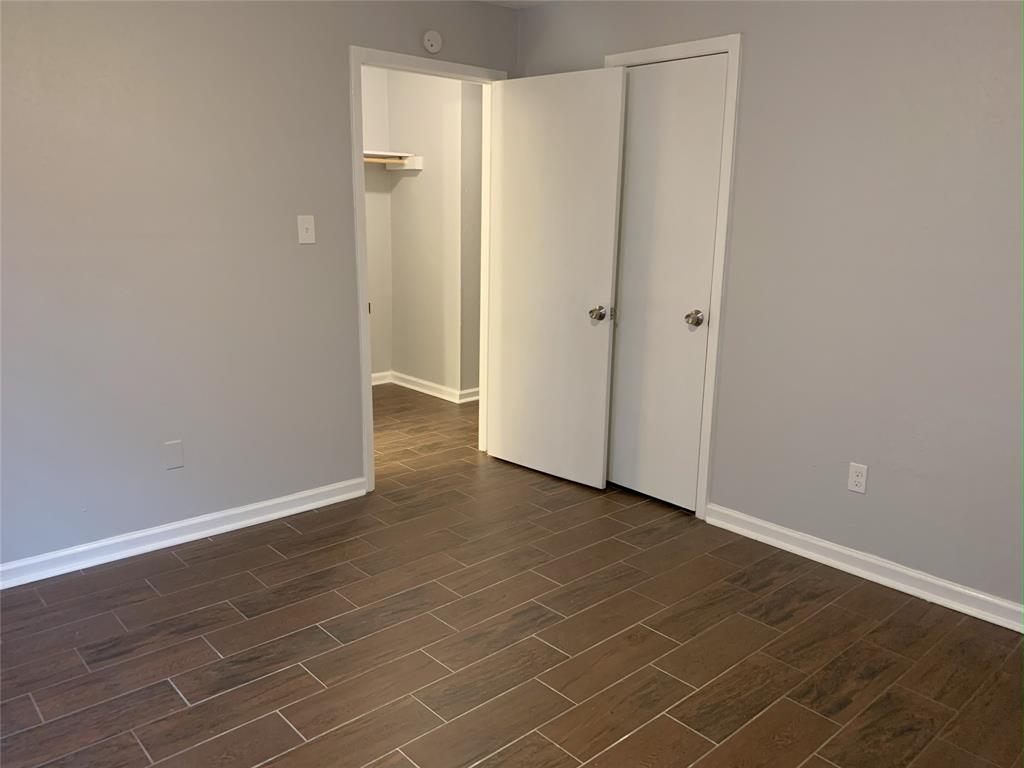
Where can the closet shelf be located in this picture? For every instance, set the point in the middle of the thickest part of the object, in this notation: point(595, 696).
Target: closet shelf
point(393, 161)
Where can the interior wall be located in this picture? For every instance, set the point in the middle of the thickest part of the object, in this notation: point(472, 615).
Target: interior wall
point(425, 119)
point(154, 157)
point(872, 291)
point(379, 182)
point(472, 163)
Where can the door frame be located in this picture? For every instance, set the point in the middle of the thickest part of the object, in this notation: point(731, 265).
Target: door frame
point(359, 57)
point(729, 45)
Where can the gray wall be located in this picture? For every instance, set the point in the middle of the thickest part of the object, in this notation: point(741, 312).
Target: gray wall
point(472, 136)
point(873, 305)
point(426, 119)
point(155, 156)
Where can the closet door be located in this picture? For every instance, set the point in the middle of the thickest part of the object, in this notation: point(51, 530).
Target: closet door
point(556, 149)
point(669, 214)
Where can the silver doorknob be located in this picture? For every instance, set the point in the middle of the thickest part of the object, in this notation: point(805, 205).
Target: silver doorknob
point(598, 313)
point(694, 317)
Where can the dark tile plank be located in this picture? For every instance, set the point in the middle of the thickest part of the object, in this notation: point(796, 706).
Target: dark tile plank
point(302, 588)
point(851, 681)
point(232, 542)
point(709, 654)
point(201, 573)
point(659, 531)
point(15, 681)
point(570, 540)
point(888, 734)
point(76, 731)
point(942, 754)
point(744, 551)
point(17, 715)
point(159, 608)
point(662, 743)
point(364, 739)
point(419, 526)
point(955, 667)
point(160, 635)
point(480, 682)
point(373, 650)
point(578, 564)
point(599, 622)
point(499, 568)
point(481, 731)
point(609, 661)
point(332, 514)
point(590, 727)
point(39, 618)
point(695, 540)
point(531, 751)
point(202, 721)
point(363, 693)
point(405, 512)
point(73, 585)
point(592, 589)
point(729, 701)
point(687, 579)
point(407, 552)
point(23, 650)
point(802, 597)
point(577, 514)
point(339, 533)
point(642, 513)
point(115, 680)
point(375, 588)
point(250, 745)
point(121, 751)
point(389, 611)
point(771, 572)
point(701, 611)
point(483, 639)
point(311, 562)
point(782, 737)
point(981, 726)
point(915, 628)
point(395, 759)
point(283, 621)
point(252, 663)
point(484, 548)
point(820, 638)
point(873, 600)
point(493, 600)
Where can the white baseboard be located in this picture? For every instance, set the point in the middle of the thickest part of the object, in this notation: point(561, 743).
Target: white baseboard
point(427, 387)
point(137, 542)
point(996, 610)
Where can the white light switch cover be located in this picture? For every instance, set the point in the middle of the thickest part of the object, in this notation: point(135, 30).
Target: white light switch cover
point(174, 454)
point(307, 229)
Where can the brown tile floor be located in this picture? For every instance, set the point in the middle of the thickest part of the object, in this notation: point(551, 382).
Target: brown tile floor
point(472, 612)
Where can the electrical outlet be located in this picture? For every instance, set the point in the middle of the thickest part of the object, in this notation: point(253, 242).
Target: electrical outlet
point(857, 481)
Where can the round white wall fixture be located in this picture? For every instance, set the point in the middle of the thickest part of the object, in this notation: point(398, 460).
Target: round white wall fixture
point(432, 41)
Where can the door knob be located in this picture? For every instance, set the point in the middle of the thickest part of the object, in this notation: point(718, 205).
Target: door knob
point(598, 313)
point(694, 317)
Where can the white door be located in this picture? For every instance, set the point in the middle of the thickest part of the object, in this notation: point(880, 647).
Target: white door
point(556, 151)
point(673, 154)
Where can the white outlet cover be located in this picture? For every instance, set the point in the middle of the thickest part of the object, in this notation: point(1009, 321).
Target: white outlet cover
point(174, 454)
point(857, 479)
point(432, 41)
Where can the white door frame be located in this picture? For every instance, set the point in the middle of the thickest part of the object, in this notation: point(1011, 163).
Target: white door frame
point(730, 45)
point(358, 57)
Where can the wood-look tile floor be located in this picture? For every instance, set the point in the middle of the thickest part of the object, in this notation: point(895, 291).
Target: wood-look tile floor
point(471, 612)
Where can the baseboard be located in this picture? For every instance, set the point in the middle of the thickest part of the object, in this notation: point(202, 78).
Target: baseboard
point(427, 387)
point(137, 542)
point(981, 605)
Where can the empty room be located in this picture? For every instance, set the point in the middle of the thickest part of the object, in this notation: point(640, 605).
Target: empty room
point(511, 384)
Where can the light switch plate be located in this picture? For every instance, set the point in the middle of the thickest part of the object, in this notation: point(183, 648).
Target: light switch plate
point(307, 229)
point(174, 454)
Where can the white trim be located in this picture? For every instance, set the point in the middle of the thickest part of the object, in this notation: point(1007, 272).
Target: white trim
point(427, 387)
point(358, 57)
point(137, 542)
point(996, 610)
point(485, 261)
point(730, 45)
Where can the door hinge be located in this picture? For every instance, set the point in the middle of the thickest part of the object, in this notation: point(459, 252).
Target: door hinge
point(369, 308)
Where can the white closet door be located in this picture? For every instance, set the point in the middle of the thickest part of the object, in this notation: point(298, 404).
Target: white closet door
point(669, 210)
point(555, 179)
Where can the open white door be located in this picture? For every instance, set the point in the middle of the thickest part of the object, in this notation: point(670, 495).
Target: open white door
point(556, 153)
